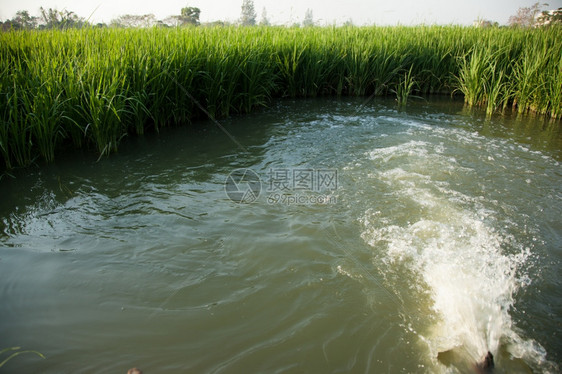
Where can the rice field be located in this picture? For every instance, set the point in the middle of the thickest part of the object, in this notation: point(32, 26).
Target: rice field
point(61, 89)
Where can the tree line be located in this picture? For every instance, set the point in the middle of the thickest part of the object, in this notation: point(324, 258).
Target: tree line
point(47, 19)
point(190, 16)
point(63, 19)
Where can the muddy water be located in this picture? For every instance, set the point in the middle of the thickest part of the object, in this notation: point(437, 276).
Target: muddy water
point(354, 237)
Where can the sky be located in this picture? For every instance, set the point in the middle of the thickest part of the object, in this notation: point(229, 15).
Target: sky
point(288, 12)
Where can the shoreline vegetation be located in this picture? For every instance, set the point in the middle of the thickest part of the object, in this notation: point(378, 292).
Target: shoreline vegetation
point(63, 89)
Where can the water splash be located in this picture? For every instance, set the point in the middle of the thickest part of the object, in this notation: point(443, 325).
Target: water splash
point(449, 241)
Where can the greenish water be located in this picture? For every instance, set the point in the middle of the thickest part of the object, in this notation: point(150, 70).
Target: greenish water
point(442, 237)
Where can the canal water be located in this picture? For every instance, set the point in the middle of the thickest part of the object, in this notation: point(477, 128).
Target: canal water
point(332, 236)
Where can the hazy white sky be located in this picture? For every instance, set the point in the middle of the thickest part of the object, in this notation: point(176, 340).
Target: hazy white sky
point(382, 12)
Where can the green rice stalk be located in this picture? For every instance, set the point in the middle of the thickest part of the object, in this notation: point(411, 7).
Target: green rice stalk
point(91, 87)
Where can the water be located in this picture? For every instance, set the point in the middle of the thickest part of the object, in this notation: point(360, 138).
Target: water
point(441, 241)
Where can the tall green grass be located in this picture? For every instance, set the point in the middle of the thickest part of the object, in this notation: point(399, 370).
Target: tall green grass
point(514, 66)
point(92, 87)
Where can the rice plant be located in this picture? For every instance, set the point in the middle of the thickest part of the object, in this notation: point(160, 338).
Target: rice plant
point(404, 88)
point(93, 87)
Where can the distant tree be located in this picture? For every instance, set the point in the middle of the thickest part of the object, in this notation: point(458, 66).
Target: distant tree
point(217, 24)
point(21, 21)
point(55, 19)
point(551, 17)
point(348, 23)
point(133, 20)
point(7, 26)
point(308, 18)
point(264, 21)
point(48, 19)
point(171, 21)
point(248, 16)
point(26, 21)
point(190, 15)
point(525, 16)
point(484, 23)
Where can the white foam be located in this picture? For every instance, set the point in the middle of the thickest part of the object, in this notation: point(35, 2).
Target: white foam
point(410, 148)
point(471, 270)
